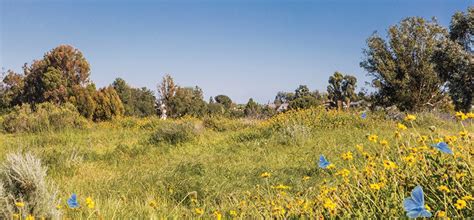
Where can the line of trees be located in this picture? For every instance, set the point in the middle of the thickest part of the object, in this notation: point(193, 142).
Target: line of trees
point(419, 65)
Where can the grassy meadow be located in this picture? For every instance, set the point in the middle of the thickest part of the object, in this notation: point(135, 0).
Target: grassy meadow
point(240, 168)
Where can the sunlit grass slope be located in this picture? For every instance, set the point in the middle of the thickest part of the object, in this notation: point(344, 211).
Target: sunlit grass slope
point(148, 168)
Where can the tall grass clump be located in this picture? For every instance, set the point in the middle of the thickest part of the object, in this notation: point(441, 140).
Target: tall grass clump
point(173, 132)
point(222, 124)
point(24, 189)
point(43, 117)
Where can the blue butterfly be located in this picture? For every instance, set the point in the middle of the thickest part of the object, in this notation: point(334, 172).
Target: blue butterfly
point(443, 147)
point(323, 163)
point(415, 205)
point(363, 115)
point(72, 201)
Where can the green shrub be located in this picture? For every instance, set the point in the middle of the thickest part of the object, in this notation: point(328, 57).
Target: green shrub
point(221, 124)
point(45, 117)
point(173, 133)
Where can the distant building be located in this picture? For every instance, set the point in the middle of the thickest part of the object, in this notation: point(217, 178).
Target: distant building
point(278, 108)
point(283, 107)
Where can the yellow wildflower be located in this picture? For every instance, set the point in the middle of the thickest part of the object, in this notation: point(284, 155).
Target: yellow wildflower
point(329, 204)
point(410, 117)
point(384, 143)
point(343, 173)
point(444, 189)
point(427, 207)
point(441, 214)
point(331, 166)
point(218, 215)
point(360, 148)
point(233, 213)
point(463, 133)
point(347, 156)
point(265, 175)
point(467, 198)
point(20, 204)
point(16, 216)
point(423, 139)
point(460, 204)
point(410, 159)
point(367, 156)
point(401, 126)
point(306, 178)
point(461, 116)
point(450, 139)
point(152, 204)
point(375, 186)
point(372, 138)
point(470, 115)
point(30, 217)
point(91, 204)
point(199, 211)
point(389, 165)
point(460, 175)
point(368, 171)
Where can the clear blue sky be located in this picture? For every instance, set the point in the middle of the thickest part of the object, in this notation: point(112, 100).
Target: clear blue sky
point(239, 48)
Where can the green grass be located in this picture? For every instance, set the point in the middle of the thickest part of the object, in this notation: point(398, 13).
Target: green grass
point(119, 166)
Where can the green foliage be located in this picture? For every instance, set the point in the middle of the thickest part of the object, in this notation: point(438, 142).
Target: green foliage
point(462, 29)
point(44, 117)
point(108, 104)
point(401, 67)
point(252, 109)
point(283, 97)
point(215, 109)
point(136, 102)
point(302, 91)
point(173, 133)
point(84, 101)
point(456, 67)
point(222, 124)
point(187, 101)
point(342, 89)
point(11, 88)
point(303, 102)
point(224, 100)
point(455, 60)
point(54, 77)
point(166, 90)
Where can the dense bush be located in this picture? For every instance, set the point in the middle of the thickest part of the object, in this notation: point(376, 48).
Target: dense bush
point(221, 124)
point(315, 118)
point(43, 117)
point(24, 188)
point(173, 133)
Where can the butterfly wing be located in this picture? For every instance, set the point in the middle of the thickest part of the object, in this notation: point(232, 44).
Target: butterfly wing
point(72, 201)
point(414, 214)
point(417, 196)
point(425, 213)
point(323, 163)
point(409, 204)
point(442, 146)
